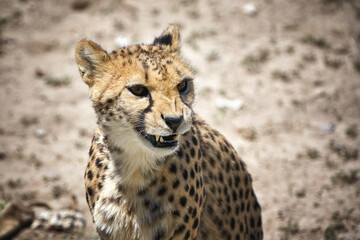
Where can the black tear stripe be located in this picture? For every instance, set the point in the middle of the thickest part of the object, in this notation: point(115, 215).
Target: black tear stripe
point(146, 77)
point(141, 124)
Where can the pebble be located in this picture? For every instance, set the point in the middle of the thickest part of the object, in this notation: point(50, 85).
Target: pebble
point(328, 128)
point(40, 133)
point(249, 9)
point(121, 41)
point(234, 104)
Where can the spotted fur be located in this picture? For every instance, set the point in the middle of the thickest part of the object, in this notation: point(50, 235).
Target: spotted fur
point(199, 189)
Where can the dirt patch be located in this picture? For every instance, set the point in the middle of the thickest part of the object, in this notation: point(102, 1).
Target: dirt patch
point(293, 66)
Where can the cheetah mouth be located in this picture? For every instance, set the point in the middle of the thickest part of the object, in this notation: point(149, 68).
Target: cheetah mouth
point(157, 141)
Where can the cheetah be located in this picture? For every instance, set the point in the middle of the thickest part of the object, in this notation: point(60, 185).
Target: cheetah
point(156, 170)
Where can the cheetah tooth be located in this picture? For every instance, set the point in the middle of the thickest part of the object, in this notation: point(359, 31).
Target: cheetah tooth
point(157, 137)
point(161, 139)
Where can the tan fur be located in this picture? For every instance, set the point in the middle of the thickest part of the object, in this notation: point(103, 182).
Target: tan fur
point(198, 188)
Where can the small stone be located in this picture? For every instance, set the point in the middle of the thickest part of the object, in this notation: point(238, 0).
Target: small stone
point(121, 41)
point(318, 82)
point(328, 128)
point(80, 5)
point(40, 133)
point(233, 104)
point(39, 73)
point(2, 156)
point(250, 9)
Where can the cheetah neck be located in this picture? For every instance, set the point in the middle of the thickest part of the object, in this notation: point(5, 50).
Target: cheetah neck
point(131, 162)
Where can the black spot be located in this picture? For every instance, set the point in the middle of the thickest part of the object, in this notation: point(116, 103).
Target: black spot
point(183, 201)
point(171, 198)
point(187, 158)
point(109, 101)
point(247, 194)
point(237, 210)
point(194, 140)
point(252, 222)
point(164, 39)
point(237, 237)
point(186, 187)
point(98, 163)
point(141, 192)
point(252, 237)
point(187, 235)
point(175, 213)
point(159, 234)
point(228, 166)
point(259, 222)
point(242, 206)
point(190, 210)
point(192, 152)
point(241, 195)
point(203, 165)
point(90, 191)
point(192, 191)
point(100, 186)
point(179, 229)
point(185, 174)
point(91, 151)
point(232, 223)
point(212, 162)
point(173, 168)
point(90, 175)
point(196, 223)
point(192, 173)
point(237, 181)
point(234, 195)
point(175, 183)
point(212, 188)
point(153, 182)
point(121, 188)
point(154, 207)
point(241, 227)
point(180, 153)
point(197, 183)
point(221, 177)
point(246, 180)
point(194, 212)
point(186, 218)
point(162, 191)
point(196, 167)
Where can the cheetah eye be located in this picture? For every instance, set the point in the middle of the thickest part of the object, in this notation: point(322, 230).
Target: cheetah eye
point(184, 86)
point(139, 90)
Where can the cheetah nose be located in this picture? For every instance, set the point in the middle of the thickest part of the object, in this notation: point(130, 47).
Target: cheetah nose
point(173, 122)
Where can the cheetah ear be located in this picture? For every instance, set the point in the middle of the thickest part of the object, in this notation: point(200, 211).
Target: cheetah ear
point(90, 57)
point(170, 37)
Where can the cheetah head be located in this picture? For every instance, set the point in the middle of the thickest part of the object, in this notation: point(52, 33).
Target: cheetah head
point(142, 94)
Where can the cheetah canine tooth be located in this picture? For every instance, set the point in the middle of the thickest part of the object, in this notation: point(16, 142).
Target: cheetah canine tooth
point(157, 137)
point(161, 139)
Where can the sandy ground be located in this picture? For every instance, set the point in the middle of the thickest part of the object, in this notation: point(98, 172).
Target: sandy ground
point(293, 67)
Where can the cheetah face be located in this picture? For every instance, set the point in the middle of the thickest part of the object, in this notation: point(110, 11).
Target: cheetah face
point(143, 93)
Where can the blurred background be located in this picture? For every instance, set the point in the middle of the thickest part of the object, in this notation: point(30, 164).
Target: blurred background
point(280, 79)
